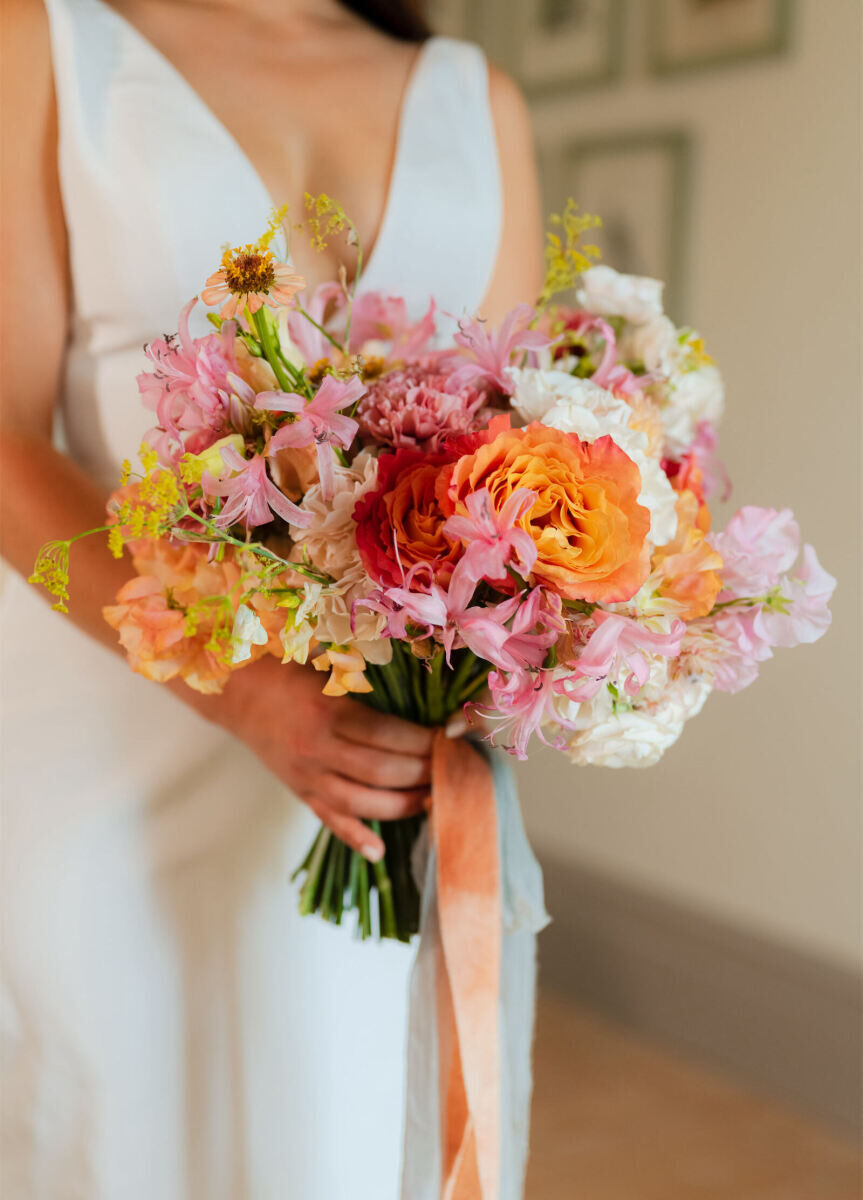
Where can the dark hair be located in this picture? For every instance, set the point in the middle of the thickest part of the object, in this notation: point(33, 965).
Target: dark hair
point(399, 18)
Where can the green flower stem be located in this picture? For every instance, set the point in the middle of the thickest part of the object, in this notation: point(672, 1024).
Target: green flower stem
point(385, 892)
point(304, 865)
point(475, 686)
point(311, 320)
point(308, 901)
point(326, 904)
point(338, 898)
point(365, 922)
point(459, 680)
point(357, 276)
point(354, 879)
point(434, 690)
point(270, 346)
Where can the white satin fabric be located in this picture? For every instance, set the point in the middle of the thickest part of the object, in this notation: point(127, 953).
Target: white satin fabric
point(171, 1029)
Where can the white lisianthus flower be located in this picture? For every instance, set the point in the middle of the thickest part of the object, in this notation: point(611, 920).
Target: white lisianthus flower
point(653, 345)
point(694, 396)
point(637, 736)
point(579, 406)
point(606, 292)
point(248, 631)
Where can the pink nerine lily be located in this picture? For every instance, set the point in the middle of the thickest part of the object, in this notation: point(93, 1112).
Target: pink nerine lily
point(251, 494)
point(536, 621)
point(491, 352)
point(610, 374)
point(493, 539)
point(524, 701)
point(619, 642)
point(320, 423)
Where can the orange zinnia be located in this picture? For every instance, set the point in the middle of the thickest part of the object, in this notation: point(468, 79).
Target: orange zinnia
point(587, 524)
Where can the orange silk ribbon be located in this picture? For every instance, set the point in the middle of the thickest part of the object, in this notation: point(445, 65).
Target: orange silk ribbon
point(464, 829)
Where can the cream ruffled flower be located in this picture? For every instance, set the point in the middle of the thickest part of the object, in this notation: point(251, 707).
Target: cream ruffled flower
point(330, 544)
point(637, 736)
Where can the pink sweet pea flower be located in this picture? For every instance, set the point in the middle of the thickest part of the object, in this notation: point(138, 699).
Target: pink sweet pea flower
point(743, 648)
point(757, 547)
point(618, 642)
point(252, 496)
point(491, 352)
point(523, 702)
point(806, 616)
point(319, 424)
point(493, 540)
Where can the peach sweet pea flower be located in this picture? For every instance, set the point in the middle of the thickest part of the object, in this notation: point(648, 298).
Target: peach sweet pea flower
point(685, 571)
point(586, 522)
point(348, 671)
point(153, 610)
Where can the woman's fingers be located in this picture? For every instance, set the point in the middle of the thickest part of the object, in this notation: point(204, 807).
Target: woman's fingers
point(378, 768)
point(353, 833)
point(376, 804)
point(357, 723)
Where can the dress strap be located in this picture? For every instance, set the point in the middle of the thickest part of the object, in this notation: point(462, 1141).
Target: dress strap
point(445, 209)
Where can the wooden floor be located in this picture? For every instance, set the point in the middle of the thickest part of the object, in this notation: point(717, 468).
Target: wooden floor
point(617, 1119)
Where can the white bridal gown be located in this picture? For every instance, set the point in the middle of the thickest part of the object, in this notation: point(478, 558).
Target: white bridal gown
point(172, 1030)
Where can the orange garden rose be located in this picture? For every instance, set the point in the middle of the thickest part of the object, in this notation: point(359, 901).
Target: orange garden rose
point(686, 568)
point(587, 524)
point(404, 512)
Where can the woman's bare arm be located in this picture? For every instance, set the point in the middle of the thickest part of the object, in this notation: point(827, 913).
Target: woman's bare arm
point(344, 760)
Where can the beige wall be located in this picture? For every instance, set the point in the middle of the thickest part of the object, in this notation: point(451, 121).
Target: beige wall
point(755, 815)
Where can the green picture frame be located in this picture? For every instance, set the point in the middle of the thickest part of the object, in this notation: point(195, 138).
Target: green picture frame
point(775, 41)
point(517, 33)
point(669, 158)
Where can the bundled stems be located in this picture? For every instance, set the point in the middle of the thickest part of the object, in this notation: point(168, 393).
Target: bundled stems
point(383, 898)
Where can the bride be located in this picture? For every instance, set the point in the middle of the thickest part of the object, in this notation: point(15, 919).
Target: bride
point(171, 1029)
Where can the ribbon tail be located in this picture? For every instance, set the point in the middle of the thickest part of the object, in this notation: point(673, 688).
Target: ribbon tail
point(472, 988)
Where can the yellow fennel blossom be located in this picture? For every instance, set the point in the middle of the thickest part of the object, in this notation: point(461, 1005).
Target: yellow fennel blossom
point(51, 570)
point(348, 669)
point(251, 275)
point(326, 217)
point(565, 256)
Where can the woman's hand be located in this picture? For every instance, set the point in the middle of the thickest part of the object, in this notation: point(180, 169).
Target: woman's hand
point(342, 758)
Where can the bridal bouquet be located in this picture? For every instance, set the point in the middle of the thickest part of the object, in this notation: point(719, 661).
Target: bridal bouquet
point(516, 521)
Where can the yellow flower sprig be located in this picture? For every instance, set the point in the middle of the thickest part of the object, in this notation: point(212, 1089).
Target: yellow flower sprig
point(566, 257)
point(51, 571)
point(326, 218)
point(159, 494)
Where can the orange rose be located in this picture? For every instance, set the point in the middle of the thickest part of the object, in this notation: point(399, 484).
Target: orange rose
point(404, 510)
point(685, 569)
point(587, 523)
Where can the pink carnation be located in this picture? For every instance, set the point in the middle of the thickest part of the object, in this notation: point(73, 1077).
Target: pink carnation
point(411, 408)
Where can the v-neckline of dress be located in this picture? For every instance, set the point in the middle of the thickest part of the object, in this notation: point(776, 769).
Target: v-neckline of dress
point(221, 130)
